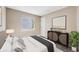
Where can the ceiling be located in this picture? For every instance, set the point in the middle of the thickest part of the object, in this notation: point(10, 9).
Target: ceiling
point(37, 10)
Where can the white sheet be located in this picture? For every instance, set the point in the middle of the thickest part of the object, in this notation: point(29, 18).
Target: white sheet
point(34, 46)
point(7, 45)
point(31, 45)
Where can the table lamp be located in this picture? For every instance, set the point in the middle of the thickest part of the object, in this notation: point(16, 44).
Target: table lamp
point(10, 32)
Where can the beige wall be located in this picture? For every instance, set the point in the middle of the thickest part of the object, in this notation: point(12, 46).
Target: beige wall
point(78, 18)
point(13, 22)
point(70, 12)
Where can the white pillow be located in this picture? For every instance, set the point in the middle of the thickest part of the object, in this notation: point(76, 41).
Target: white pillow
point(21, 43)
point(18, 44)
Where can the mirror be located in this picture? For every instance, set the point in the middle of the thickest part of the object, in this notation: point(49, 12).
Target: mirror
point(59, 22)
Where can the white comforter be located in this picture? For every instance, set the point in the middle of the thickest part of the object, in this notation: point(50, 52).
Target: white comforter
point(31, 45)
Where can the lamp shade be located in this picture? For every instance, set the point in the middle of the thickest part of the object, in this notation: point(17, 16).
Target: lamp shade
point(9, 31)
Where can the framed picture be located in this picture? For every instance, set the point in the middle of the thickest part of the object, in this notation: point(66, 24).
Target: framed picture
point(0, 17)
point(59, 22)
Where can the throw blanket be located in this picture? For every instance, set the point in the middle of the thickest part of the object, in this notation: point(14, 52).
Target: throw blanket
point(48, 44)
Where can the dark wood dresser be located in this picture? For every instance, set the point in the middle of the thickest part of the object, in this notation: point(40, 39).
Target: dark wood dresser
point(59, 37)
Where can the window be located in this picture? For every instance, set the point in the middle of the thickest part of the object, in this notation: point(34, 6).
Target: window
point(27, 23)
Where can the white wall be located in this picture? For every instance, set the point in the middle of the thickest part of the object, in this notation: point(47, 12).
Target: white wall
point(43, 32)
point(45, 26)
point(3, 12)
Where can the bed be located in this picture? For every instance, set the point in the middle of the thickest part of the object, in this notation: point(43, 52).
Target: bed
point(29, 44)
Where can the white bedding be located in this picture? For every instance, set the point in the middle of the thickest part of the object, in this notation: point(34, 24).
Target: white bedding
point(31, 45)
